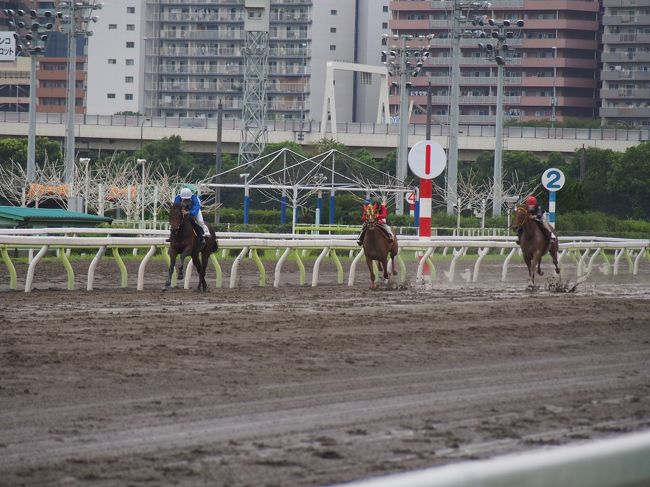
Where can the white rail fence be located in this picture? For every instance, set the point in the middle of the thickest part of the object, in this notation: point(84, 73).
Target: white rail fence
point(584, 251)
point(618, 462)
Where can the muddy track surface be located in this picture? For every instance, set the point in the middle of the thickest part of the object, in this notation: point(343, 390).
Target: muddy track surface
point(302, 386)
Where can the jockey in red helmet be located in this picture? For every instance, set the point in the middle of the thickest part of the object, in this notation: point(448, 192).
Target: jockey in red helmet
point(380, 219)
point(537, 212)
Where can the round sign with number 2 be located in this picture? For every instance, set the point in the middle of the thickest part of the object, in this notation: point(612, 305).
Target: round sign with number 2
point(553, 179)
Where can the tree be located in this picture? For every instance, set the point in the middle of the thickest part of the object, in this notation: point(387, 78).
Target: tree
point(629, 181)
point(170, 153)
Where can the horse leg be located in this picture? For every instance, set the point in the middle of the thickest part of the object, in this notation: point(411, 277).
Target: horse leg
point(554, 250)
point(372, 272)
point(531, 270)
point(392, 262)
point(199, 269)
point(385, 265)
point(170, 273)
point(181, 266)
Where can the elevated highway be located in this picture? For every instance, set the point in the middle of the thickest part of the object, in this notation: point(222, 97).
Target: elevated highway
point(110, 133)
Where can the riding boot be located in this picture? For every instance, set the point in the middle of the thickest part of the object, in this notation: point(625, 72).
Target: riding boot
point(360, 240)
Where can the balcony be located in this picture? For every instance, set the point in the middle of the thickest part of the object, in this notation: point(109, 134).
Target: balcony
point(626, 38)
point(628, 112)
point(621, 57)
point(584, 44)
point(562, 24)
point(625, 94)
point(624, 74)
point(626, 3)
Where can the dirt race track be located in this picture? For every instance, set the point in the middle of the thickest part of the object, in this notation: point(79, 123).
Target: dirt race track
point(302, 386)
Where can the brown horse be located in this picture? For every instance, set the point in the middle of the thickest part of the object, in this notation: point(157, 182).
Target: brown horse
point(376, 246)
point(184, 241)
point(533, 243)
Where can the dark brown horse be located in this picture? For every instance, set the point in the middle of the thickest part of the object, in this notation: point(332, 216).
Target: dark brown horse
point(377, 246)
point(184, 241)
point(533, 242)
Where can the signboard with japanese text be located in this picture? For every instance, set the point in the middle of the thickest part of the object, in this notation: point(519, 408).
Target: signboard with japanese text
point(7, 47)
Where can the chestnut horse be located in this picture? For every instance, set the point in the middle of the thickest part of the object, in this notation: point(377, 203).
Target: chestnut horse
point(376, 246)
point(533, 243)
point(184, 241)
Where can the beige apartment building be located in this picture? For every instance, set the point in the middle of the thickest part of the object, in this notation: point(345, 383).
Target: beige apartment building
point(625, 94)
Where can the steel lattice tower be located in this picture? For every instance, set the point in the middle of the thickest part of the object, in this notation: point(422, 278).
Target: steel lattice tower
point(256, 72)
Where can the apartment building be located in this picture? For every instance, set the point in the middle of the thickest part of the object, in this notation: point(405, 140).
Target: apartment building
point(14, 85)
point(180, 57)
point(194, 57)
point(625, 94)
point(52, 75)
point(115, 57)
point(557, 50)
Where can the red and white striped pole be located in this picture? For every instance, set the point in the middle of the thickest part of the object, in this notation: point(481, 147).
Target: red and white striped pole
point(426, 190)
point(427, 160)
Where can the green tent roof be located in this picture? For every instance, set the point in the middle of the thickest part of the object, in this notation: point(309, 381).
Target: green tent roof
point(29, 217)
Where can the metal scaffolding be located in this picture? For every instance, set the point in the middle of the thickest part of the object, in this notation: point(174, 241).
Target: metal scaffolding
point(256, 71)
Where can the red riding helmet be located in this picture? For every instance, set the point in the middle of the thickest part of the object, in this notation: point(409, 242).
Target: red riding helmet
point(531, 201)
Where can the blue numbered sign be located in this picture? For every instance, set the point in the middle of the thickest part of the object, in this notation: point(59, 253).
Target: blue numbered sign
point(553, 179)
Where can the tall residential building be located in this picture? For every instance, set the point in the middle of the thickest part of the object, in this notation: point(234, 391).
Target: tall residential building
point(194, 58)
point(348, 31)
point(180, 57)
point(115, 57)
point(625, 93)
point(14, 85)
point(52, 75)
point(557, 50)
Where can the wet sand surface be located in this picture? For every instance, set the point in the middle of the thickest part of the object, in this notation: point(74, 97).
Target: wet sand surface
point(302, 386)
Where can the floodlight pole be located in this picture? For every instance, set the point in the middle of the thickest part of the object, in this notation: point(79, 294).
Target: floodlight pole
point(498, 147)
point(452, 156)
point(31, 138)
point(402, 153)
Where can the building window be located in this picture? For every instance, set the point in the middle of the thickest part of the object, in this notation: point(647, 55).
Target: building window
point(112, 26)
point(333, 30)
point(110, 96)
point(112, 61)
point(130, 45)
point(130, 10)
point(128, 96)
point(130, 62)
point(384, 25)
point(128, 79)
point(130, 26)
point(332, 47)
point(385, 8)
point(333, 12)
point(366, 78)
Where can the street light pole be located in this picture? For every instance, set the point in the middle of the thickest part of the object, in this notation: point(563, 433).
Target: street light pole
point(142, 130)
point(142, 200)
point(86, 161)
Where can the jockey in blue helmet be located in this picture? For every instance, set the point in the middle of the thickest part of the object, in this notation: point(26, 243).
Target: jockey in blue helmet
point(192, 205)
